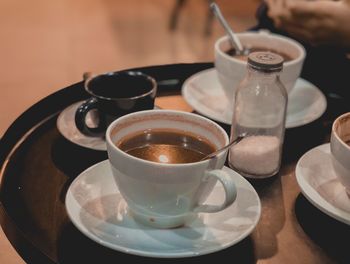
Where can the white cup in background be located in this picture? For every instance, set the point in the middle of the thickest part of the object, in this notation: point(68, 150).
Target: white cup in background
point(340, 149)
point(231, 70)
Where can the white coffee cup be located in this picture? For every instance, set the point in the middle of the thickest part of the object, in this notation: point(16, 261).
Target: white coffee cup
point(231, 70)
point(168, 195)
point(340, 149)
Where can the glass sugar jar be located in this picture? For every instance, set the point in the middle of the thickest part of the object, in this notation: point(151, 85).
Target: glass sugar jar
point(259, 115)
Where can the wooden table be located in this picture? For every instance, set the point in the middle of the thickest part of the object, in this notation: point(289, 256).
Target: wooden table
point(38, 164)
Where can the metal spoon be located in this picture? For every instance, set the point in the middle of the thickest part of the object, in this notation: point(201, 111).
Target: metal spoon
point(236, 44)
point(233, 142)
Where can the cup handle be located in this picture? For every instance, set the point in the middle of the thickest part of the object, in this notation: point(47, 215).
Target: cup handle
point(230, 192)
point(80, 116)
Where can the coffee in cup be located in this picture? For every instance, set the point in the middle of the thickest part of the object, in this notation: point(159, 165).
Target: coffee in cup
point(166, 146)
point(114, 94)
point(155, 158)
point(244, 57)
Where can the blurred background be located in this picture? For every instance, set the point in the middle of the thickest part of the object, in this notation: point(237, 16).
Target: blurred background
point(48, 45)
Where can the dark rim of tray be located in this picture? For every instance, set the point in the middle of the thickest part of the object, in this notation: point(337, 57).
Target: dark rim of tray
point(43, 111)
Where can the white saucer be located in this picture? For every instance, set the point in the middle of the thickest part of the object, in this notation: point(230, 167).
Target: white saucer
point(202, 91)
point(96, 208)
point(320, 185)
point(66, 126)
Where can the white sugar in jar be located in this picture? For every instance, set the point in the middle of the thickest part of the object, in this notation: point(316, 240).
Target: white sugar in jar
point(256, 156)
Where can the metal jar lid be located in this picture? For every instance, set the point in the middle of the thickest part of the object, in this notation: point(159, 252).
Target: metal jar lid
point(265, 60)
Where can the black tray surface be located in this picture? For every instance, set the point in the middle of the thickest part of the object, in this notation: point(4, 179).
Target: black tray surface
point(38, 164)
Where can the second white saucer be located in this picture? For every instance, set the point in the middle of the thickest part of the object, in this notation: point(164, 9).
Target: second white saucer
point(320, 185)
point(96, 207)
point(202, 91)
point(66, 126)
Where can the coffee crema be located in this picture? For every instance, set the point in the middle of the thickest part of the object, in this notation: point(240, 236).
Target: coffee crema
point(166, 146)
point(232, 52)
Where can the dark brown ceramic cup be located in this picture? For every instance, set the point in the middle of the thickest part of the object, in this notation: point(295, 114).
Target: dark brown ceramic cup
point(113, 95)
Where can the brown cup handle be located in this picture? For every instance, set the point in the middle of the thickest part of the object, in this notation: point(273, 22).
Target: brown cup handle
point(80, 117)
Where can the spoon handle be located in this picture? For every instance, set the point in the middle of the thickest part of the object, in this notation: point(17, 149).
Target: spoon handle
point(233, 142)
point(233, 38)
